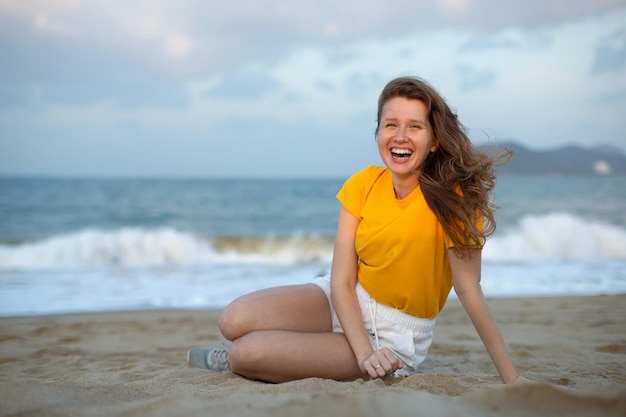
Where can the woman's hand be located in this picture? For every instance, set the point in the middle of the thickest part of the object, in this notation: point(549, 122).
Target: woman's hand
point(519, 380)
point(381, 363)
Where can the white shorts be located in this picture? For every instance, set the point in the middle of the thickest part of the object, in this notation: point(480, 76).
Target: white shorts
point(407, 336)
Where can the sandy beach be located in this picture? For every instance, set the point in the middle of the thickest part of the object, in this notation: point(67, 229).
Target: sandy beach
point(134, 364)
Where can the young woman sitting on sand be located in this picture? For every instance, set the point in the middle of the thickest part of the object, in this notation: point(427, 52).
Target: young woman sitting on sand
point(407, 233)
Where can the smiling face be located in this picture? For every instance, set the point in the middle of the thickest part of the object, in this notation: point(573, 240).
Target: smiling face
point(404, 137)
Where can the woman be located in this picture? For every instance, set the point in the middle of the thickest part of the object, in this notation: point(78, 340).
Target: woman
point(407, 233)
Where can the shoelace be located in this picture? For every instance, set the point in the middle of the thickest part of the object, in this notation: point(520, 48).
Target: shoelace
point(220, 358)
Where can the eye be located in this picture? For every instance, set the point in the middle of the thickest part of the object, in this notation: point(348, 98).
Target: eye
point(390, 124)
point(416, 127)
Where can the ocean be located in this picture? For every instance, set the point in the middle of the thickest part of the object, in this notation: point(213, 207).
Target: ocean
point(93, 245)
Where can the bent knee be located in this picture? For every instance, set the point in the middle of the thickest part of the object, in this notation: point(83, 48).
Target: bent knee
point(233, 322)
point(227, 324)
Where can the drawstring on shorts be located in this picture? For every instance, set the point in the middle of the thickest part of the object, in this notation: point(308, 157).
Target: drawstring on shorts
point(372, 304)
point(407, 336)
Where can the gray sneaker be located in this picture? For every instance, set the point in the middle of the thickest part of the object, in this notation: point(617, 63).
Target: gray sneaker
point(213, 359)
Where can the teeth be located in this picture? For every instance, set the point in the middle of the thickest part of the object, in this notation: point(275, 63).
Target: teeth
point(402, 151)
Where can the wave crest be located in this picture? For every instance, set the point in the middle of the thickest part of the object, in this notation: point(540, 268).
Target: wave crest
point(142, 247)
point(557, 236)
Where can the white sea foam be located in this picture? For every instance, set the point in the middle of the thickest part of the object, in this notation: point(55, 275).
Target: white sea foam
point(142, 247)
point(125, 247)
point(95, 270)
point(557, 236)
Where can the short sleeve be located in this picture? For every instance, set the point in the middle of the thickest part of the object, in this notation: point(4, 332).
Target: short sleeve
point(355, 190)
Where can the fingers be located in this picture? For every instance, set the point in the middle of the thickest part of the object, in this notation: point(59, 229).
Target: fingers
point(381, 363)
point(520, 380)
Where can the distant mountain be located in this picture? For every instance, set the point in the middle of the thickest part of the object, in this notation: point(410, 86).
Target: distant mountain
point(566, 160)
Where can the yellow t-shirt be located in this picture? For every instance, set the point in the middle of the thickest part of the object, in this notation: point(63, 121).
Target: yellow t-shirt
point(402, 248)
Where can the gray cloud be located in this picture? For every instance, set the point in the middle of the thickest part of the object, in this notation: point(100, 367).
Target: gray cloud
point(42, 69)
point(324, 85)
point(244, 85)
point(610, 97)
point(99, 52)
point(489, 44)
point(472, 78)
point(512, 41)
point(149, 55)
point(610, 55)
point(359, 83)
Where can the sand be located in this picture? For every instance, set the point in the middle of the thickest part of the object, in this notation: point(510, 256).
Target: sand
point(133, 364)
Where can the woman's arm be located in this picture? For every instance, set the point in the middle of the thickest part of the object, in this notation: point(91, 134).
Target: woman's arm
point(343, 284)
point(466, 280)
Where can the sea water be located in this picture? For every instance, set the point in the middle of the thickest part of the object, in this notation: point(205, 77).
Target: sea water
point(78, 245)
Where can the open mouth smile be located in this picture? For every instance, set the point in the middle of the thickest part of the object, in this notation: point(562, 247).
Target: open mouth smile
point(401, 153)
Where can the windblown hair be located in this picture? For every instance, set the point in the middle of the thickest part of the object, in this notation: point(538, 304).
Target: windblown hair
point(457, 179)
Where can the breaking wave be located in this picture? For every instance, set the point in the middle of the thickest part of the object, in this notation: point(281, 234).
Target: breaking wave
point(145, 247)
point(555, 236)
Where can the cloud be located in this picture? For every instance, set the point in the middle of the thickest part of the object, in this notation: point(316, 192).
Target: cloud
point(610, 55)
point(177, 45)
point(203, 72)
point(272, 28)
point(359, 83)
point(516, 40)
point(244, 85)
point(455, 7)
point(45, 24)
point(74, 72)
point(473, 78)
point(613, 97)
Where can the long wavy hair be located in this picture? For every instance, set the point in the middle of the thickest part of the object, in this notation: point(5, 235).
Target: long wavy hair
point(457, 179)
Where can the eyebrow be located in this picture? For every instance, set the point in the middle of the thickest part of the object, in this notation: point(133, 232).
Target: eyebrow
point(386, 119)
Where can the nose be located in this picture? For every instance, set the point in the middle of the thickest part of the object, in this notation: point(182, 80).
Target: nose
point(401, 135)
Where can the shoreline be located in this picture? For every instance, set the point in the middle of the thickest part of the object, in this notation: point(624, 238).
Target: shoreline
point(139, 310)
point(133, 363)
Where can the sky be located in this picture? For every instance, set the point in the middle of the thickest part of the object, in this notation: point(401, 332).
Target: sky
point(283, 88)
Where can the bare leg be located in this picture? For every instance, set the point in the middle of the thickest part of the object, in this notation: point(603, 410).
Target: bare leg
point(285, 333)
point(280, 356)
point(302, 308)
